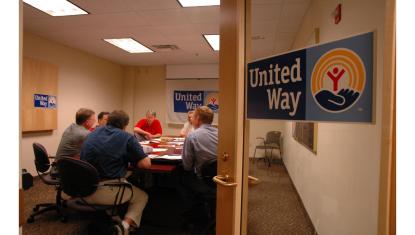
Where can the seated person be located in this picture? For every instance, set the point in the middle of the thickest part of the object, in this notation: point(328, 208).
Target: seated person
point(188, 126)
point(75, 134)
point(102, 120)
point(148, 128)
point(200, 147)
point(110, 149)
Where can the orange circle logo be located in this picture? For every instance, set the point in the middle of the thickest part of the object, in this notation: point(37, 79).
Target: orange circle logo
point(338, 80)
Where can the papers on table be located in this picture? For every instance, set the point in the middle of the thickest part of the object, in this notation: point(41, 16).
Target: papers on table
point(175, 143)
point(157, 150)
point(179, 139)
point(171, 157)
point(147, 149)
point(144, 142)
point(153, 156)
point(166, 157)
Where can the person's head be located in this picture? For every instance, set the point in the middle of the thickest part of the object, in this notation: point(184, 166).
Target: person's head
point(202, 115)
point(85, 117)
point(189, 116)
point(118, 119)
point(150, 116)
point(103, 118)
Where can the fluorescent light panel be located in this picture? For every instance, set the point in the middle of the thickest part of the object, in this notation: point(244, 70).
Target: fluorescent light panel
point(129, 44)
point(56, 7)
point(213, 40)
point(199, 3)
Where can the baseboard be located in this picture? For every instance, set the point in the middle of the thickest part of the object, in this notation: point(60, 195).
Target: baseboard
point(299, 198)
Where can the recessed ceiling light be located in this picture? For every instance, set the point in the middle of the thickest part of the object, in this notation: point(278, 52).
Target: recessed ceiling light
point(199, 3)
point(56, 7)
point(213, 40)
point(129, 44)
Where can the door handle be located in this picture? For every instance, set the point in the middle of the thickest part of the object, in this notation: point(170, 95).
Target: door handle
point(222, 180)
point(253, 180)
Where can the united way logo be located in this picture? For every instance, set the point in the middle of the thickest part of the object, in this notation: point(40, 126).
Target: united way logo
point(338, 80)
point(212, 100)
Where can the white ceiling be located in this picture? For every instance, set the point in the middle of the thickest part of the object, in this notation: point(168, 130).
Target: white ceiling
point(153, 22)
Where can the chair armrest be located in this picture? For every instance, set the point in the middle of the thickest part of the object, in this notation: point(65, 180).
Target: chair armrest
point(117, 184)
point(122, 185)
point(263, 140)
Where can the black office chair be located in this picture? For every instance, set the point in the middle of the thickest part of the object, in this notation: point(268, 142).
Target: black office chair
point(208, 171)
point(43, 168)
point(80, 179)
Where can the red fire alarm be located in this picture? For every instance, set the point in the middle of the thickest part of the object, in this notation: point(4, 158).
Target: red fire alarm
point(337, 13)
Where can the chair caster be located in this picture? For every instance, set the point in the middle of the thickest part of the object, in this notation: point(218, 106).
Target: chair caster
point(30, 220)
point(118, 229)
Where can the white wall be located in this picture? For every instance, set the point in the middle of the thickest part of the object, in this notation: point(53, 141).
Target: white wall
point(193, 71)
point(339, 186)
point(84, 81)
point(259, 128)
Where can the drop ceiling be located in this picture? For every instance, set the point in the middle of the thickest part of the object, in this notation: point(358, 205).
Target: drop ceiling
point(164, 22)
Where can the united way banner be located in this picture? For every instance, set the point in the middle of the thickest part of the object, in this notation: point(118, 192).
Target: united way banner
point(185, 101)
point(186, 95)
point(328, 82)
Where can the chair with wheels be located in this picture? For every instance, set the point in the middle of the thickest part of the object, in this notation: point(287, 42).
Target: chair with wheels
point(44, 170)
point(79, 179)
point(208, 171)
point(273, 140)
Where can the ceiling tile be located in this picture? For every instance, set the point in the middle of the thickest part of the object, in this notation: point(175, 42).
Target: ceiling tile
point(154, 22)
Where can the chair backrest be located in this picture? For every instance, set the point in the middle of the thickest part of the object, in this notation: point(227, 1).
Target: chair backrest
point(78, 178)
point(42, 162)
point(208, 171)
point(273, 137)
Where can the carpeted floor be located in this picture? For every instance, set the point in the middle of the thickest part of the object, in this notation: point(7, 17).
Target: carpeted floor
point(162, 214)
point(273, 205)
point(274, 208)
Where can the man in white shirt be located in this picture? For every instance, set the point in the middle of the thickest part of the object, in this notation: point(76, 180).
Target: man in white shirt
point(188, 126)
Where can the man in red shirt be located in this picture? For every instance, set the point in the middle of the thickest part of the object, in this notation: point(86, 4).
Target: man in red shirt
point(149, 127)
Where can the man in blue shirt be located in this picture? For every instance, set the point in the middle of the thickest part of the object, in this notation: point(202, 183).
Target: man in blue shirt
point(201, 145)
point(110, 149)
point(200, 148)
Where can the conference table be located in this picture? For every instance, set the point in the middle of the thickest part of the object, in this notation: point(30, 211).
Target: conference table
point(165, 157)
point(166, 153)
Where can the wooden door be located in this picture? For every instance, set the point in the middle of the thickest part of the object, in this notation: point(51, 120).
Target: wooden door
point(231, 119)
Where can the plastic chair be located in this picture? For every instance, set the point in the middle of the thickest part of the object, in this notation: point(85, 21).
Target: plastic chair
point(273, 140)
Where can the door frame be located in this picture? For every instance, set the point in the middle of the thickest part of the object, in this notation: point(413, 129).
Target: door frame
point(387, 182)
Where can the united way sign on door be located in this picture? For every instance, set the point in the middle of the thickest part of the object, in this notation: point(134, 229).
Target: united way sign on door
point(328, 82)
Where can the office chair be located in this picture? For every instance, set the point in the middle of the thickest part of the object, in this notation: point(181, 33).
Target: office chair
point(80, 179)
point(44, 169)
point(208, 171)
point(273, 140)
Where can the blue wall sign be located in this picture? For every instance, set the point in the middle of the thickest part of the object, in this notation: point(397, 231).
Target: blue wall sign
point(328, 82)
point(185, 101)
point(44, 101)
